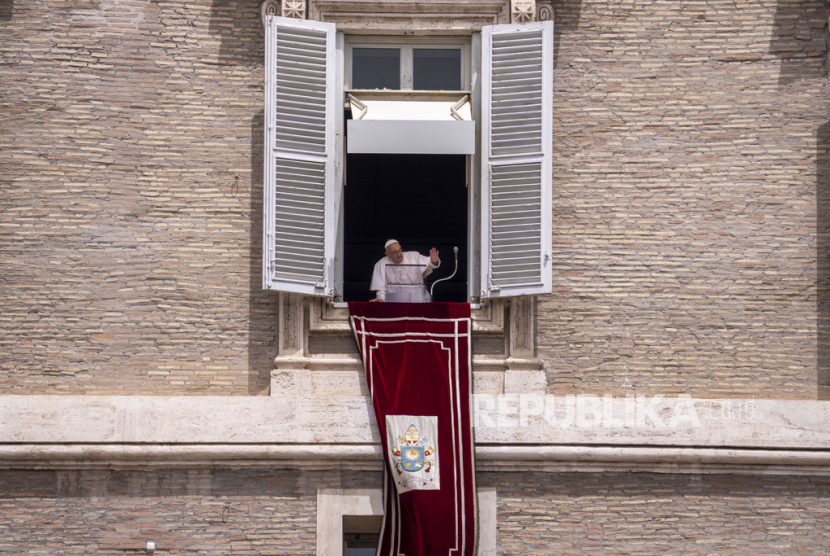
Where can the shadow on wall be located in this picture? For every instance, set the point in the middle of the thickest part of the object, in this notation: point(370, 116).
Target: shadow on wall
point(823, 261)
point(6, 10)
point(238, 25)
point(262, 306)
point(800, 39)
point(566, 18)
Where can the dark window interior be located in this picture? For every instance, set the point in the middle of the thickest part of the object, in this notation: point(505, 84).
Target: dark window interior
point(361, 544)
point(376, 68)
point(436, 69)
point(420, 200)
point(361, 534)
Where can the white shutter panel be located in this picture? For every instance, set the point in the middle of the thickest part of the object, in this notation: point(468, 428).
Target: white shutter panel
point(299, 238)
point(516, 144)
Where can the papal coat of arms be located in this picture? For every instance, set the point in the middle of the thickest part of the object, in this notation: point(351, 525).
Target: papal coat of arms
point(412, 452)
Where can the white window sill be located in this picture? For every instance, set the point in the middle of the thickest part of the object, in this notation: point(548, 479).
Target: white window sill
point(345, 305)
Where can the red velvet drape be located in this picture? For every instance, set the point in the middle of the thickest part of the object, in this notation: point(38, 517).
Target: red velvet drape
point(417, 360)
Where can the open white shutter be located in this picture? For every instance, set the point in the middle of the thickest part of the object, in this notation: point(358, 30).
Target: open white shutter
point(516, 172)
point(299, 235)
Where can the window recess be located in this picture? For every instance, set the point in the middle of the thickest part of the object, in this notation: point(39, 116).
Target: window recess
point(409, 98)
point(311, 75)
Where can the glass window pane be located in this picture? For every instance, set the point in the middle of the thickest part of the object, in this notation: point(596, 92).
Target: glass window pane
point(437, 69)
point(376, 68)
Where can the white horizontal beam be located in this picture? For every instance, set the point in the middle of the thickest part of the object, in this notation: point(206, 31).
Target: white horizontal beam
point(410, 137)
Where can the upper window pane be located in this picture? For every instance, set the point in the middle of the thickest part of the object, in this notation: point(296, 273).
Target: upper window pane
point(376, 68)
point(436, 69)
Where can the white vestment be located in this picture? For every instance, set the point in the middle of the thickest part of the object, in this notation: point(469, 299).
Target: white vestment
point(411, 275)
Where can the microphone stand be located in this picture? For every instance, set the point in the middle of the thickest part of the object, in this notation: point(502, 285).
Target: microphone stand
point(455, 250)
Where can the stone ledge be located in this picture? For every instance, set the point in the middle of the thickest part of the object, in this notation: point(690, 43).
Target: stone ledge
point(354, 362)
point(325, 376)
point(368, 456)
point(343, 420)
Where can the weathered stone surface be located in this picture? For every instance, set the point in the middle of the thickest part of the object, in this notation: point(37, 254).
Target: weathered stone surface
point(350, 420)
point(211, 419)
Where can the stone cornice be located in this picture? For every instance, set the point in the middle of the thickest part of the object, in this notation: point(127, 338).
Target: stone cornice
point(398, 16)
point(367, 457)
point(344, 420)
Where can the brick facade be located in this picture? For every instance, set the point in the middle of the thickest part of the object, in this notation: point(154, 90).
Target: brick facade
point(132, 199)
point(685, 199)
point(691, 207)
point(194, 511)
point(644, 513)
point(259, 512)
point(685, 186)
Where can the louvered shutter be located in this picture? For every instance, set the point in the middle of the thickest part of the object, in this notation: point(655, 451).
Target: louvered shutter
point(516, 145)
point(299, 156)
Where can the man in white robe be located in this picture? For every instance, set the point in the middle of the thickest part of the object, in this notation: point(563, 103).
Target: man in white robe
point(395, 256)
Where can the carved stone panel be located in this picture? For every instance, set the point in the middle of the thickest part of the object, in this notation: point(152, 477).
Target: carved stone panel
point(284, 8)
point(544, 11)
point(270, 7)
point(523, 11)
point(293, 8)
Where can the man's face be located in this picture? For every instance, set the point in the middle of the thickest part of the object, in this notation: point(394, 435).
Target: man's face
point(395, 253)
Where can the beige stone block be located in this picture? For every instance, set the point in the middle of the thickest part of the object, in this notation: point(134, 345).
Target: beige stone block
point(488, 382)
point(291, 382)
point(339, 383)
point(525, 382)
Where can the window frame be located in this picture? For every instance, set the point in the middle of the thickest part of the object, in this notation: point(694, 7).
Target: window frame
point(406, 46)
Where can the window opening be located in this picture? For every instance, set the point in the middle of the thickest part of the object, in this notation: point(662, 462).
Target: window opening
point(420, 200)
point(361, 534)
point(436, 69)
point(376, 68)
point(418, 66)
point(361, 544)
point(504, 116)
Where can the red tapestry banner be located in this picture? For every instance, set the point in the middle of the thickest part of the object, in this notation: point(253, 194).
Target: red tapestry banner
point(417, 361)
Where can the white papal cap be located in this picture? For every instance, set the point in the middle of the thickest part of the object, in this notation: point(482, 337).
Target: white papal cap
point(390, 242)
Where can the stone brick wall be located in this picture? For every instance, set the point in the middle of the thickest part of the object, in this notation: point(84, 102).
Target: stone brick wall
point(130, 215)
point(685, 187)
point(642, 513)
point(685, 199)
point(269, 512)
point(193, 511)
